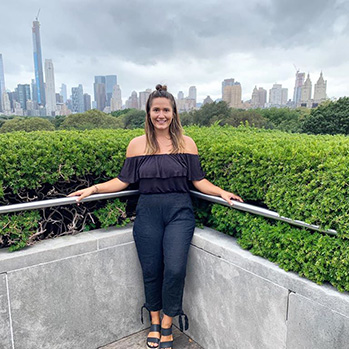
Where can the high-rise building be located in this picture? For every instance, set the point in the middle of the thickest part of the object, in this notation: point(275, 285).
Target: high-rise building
point(207, 100)
point(320, 91)
point(39, 76)
point(227, 82)
point(34, 93)
point(50, 89)
point(180, 95)
point(232, 93)
point(63, 92)
point(132, 102)
point(259, 97)
point(2, 81)
point(77, 95)
point(306, 93)
point(298, 87)
point(278, 95)
point(100, 92)
point(23, 95)
point(192, 93)
point(110, 82)
point(87, 102)
point(59, 99)
point(143, 97)
point(6, 104)
point(116, 101)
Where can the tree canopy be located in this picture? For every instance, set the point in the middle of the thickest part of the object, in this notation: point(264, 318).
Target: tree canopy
point(27, 124)
point(330, 118)
point(89, 120)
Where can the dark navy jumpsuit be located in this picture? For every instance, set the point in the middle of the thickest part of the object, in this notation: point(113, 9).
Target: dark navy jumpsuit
point(164, 225)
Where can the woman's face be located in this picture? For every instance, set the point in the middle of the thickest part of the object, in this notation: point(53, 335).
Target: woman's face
point(161, 113)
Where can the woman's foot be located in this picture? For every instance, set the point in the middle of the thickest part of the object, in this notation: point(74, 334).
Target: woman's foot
point(166, 340)
point(153, 338)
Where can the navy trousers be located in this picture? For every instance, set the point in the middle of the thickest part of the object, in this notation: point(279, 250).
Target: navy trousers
point(162, 231)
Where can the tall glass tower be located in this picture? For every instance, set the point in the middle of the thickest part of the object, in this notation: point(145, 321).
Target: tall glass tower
point(39, 76)
point(2, 81)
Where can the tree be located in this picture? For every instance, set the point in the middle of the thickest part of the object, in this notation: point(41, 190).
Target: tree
point(211, 112)
point(329, 118)
point(187, 118)
point(241, 117)
point(58, 120)
point(89, 120)
point(134, 119)
point(283, 119)
point(28, 124)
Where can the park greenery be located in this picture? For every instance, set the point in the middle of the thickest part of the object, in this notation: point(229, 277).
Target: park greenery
point(328, 118)
point(300, 176)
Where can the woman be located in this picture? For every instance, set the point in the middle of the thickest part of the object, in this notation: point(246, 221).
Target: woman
point(164, 162)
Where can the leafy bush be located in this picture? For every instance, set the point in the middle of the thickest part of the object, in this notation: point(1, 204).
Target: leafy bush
point(112, 214)
point(17, 229)
point(299, 176)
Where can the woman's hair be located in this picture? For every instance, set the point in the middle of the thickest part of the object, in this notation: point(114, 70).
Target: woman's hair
point(176, 130)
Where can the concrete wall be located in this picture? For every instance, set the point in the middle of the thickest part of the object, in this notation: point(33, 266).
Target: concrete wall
point(86, 291)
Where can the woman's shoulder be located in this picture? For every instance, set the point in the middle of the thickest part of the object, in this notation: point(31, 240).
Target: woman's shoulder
point(190, 146)
point(136, 146)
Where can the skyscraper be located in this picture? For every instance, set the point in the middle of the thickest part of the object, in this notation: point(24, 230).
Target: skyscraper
point(63, 92)
point(100, 92)
point(320, 90)
point(278, 95)
point(192, 93)
point(110, 82)
point(87, 102)
point(298, 87)
point(259, 97)
point(23, 95)
point(143, 97)
point(116, 100)
point(77, 96)
point(2, 81)
point(50, 87)
point(39, 76)
point(306, 93)
point(232, 93)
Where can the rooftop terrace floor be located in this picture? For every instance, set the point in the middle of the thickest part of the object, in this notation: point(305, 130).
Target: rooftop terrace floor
point(138, 340)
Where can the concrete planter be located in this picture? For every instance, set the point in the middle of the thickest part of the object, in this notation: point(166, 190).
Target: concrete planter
point(86, 291)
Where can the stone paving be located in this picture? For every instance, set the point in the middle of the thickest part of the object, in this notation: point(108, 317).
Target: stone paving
point(138, 340)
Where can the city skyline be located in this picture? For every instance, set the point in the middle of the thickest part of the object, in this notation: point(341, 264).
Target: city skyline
point(203, 47)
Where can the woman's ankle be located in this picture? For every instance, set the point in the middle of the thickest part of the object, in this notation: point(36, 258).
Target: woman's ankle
point(155, 317)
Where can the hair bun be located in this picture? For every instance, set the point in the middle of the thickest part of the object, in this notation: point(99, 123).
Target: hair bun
point(161, 87)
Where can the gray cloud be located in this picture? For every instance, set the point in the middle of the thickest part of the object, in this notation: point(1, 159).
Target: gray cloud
point(206, 41)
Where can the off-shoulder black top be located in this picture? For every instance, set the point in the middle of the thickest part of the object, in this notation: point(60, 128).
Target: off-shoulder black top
point(162, 173)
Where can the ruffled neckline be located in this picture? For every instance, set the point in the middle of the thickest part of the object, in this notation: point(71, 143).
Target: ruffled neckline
point(148, 155)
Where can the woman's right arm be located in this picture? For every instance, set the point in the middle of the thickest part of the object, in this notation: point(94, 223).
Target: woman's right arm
point(111, 186)
point(114, 184)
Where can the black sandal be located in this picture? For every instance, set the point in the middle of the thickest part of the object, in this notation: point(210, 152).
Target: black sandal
point(166, 332)
point(154, 328)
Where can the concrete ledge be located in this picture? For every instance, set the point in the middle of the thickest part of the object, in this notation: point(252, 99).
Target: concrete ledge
point(85, 291)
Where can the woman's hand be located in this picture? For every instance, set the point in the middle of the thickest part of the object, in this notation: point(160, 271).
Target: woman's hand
point(228, 197)
point(83, 193)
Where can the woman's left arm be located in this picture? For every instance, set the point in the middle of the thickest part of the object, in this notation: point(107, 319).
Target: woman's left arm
point(207, 187)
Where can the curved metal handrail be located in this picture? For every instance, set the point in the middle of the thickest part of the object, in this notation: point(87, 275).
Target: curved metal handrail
point(237, 205)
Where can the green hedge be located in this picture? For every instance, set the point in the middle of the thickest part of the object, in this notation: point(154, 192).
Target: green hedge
point(300, 176)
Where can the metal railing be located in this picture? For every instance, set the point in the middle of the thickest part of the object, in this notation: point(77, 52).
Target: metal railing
point(237, 205)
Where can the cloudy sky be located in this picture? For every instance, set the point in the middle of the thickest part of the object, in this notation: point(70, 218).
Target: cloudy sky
point(180, 43)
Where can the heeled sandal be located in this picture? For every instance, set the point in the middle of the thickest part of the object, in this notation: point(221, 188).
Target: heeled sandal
point(154, 328)
point(166, 332)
